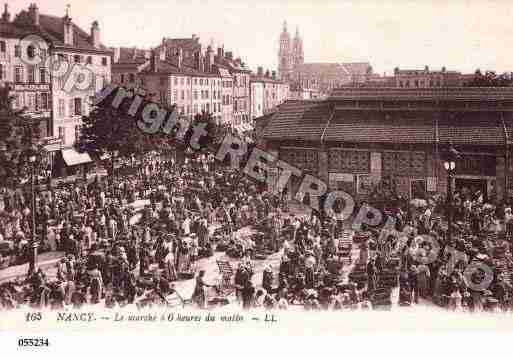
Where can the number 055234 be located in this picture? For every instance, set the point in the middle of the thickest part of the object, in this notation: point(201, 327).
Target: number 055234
point(33, 342)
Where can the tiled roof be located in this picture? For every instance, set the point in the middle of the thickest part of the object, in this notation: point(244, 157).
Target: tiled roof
point(132, 55)
point(308, 120)
point(166, 67)
point(373, 128)
point(51, 28)
point(483, 131)
point(357, 68)
point(266, 79)
point(303, 120)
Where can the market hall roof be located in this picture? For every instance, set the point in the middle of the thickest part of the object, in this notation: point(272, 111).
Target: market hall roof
point(327, 121)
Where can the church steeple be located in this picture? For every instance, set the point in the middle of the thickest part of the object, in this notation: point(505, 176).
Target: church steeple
point(6, 16)
point(285, 53)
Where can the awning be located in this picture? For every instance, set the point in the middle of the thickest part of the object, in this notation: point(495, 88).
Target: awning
point(73, 158)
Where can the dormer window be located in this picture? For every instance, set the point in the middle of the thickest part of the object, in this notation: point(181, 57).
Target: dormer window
point(77, 59)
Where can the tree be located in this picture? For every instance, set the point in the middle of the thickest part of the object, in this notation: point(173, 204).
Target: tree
point(20, 137)
point(490, 79)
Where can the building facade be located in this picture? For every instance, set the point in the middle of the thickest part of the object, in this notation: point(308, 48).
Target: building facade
point(267, 92)
point(191, 89)
point(427, 78)
point(361, 138)
point(60, 97)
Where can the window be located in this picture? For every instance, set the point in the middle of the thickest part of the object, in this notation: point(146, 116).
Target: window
point(17, 51)
point(77, 59)
point(2, 46)
point(132, 77)
point(162, 97)
point(175, 80)
point(122, 78)
point(78, 106)
point(18, 74)
point(214, 94)
point(188, 81)
point(175, 95)
point(2, 75)
point(89, 60)
point(195, 81)
point(42, 76)
point(201, 82)
point(182, 80)
point(61, 108)
point(195, 108)
point(77, 132)
point(183, 95)
point(104, 61)
point(195, 94)
point(206, 94)
point(62, 134)
point(44, 101)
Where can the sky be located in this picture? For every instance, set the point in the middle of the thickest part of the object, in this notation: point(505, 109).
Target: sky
point(460, 35)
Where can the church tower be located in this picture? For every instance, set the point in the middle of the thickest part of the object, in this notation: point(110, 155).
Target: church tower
point(285, 55)
point(297, 50)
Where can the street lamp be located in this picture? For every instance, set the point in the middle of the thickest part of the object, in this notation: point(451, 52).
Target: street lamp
point(33, 242)
point(450, 166)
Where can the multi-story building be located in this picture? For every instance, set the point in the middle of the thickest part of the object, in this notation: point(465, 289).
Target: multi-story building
point(226, 95)
point(127, 64)
point(267, 92)
point(241, 85)
point(189, 87)
point(232, 78)
point(62, 96)
point(427, 78)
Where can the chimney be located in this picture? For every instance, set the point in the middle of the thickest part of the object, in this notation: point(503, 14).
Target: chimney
point(274, 75)
point(68, 28)
point(154, 62)
point(426, 68)
point(117, 54)
point(209, 59)
point(201, 62)
point(260, 71)
point(34, 14)
point(267, 73)
point(194, 37)
point(6, 16)
point(134, 53)
point(220, 52)
point(147, 54)
point(95, 34)
point(229, 55)
point(179, 56)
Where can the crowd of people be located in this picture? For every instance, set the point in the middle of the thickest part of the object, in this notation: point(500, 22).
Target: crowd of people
point(118, 254)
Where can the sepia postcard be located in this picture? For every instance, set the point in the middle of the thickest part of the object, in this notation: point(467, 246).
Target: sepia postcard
point(244, 167)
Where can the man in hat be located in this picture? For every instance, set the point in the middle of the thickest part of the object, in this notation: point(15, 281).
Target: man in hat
point(268, 279)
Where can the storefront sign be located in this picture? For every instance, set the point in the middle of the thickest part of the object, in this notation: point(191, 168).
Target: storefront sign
point(31, 87)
